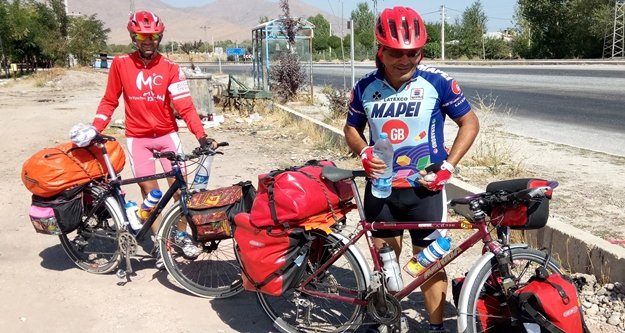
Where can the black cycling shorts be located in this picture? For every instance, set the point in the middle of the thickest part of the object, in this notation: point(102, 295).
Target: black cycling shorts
point(406, 204)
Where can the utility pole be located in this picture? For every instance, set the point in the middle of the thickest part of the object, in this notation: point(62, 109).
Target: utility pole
point(614, 43)
point(350, 24)
point(330, 35)
point(343, 49)
point(206, 40)
point(442, 32)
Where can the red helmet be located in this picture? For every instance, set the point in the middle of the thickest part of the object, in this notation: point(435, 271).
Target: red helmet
point(401, 28)
point(145, 22)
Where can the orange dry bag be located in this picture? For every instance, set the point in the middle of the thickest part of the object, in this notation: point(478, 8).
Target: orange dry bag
point(51, 170)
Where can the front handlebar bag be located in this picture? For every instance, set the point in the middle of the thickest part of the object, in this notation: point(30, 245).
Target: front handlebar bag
point(520, 215)
point(50, 171)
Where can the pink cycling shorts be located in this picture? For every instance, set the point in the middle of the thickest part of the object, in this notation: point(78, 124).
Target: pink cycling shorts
point(142, 162)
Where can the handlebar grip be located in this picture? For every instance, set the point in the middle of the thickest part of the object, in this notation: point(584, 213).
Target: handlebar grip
point(99, 137)
point(223, 144)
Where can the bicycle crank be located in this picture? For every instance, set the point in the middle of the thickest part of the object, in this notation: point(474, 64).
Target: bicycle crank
point(386, 311)
point(127, 248)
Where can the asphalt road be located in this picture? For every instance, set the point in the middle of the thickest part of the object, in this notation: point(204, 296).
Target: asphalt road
point(578, 105)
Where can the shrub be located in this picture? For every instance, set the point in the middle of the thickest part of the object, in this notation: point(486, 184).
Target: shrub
point(287, 77)
point(338, 101)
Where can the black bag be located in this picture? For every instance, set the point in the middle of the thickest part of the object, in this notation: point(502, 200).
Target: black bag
point(532, 215)
point(212, 212)
point(59, 214)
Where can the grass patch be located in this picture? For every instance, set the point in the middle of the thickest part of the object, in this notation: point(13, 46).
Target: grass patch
point(491, 151)
point(43, 77)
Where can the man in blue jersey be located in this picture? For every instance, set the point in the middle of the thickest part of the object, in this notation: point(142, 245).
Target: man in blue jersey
point(410, 103)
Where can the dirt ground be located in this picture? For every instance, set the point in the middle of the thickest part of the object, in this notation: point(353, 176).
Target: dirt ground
point(43, 291)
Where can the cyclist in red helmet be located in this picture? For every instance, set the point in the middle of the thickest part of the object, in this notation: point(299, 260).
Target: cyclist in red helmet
point(153, 86)
point(409, 102)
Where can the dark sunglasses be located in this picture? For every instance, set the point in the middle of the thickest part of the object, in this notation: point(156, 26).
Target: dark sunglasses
point(142, 37)
point(400, 53)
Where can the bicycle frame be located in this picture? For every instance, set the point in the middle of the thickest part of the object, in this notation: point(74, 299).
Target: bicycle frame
point(481, 234)
point(116, 191)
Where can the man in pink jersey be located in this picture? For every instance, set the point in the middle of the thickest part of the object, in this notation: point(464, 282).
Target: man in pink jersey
point(153, 87)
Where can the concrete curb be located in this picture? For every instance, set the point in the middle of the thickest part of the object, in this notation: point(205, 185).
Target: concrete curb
point(576, 249)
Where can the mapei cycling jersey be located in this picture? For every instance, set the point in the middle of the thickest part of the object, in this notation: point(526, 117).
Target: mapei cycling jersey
point(149, 91)
point(413, 117)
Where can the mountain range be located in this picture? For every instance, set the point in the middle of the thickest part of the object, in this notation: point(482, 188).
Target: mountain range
point(216, 21)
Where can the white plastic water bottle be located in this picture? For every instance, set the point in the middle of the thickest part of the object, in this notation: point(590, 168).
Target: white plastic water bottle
point(200, 181)
point(383, 149)
point(149, 203)
point(436, 250)
point(133, 218)
point(392, 273)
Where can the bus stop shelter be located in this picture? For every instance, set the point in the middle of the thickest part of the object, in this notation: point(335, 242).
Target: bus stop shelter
point(269, 40)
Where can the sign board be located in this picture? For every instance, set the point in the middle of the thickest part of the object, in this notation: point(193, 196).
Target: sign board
point(219, 50)
point(235, 51)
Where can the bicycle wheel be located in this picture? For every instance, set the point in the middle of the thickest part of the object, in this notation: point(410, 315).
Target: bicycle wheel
point(295, 311)
point(213, 272)
point(487, 291)
point(93, 245)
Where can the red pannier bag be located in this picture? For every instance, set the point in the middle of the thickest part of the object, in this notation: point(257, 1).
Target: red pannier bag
point(550, 301)
point(272, 259)
point(532, 215)
point(50, 171)
point(287, 196)
point(491, 310)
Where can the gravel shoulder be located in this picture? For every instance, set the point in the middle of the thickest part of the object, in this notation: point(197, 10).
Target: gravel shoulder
point(43, 291)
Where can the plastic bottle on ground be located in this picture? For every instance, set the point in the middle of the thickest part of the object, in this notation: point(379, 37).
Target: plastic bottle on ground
point(436, 250)
point(133, 218)
point(200, 181)
point(391, 269)
point(383, 149)
point(149, 203)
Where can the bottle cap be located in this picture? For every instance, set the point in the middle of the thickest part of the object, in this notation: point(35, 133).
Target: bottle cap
point(383, 135)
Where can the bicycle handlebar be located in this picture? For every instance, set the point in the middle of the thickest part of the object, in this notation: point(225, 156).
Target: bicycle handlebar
point(487, 200)
point(170, 155)
point(197, 152)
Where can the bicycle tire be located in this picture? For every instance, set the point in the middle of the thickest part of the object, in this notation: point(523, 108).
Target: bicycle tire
point(523, 264)
point(214, 273)
point(93, 246)
point(345, 276)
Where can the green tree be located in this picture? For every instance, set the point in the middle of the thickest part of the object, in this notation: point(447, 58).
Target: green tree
point(363, 20)
point(47, 33)
point(563, 28)
point(87, 37)
point(322, 32)
point(471, 34)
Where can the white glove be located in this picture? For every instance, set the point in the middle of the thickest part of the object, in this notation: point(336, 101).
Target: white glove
point(81, 134)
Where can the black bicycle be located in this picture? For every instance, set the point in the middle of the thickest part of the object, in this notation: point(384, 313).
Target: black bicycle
point(104, 238)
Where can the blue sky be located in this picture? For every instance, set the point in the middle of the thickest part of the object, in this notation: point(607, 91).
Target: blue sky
point(499, 12)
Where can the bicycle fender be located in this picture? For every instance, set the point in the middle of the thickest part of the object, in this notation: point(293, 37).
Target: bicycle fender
point(357, 254)
point(469, 280)
point(115, 206)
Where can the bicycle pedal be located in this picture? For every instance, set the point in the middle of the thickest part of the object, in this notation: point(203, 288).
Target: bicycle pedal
point(121, 273)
